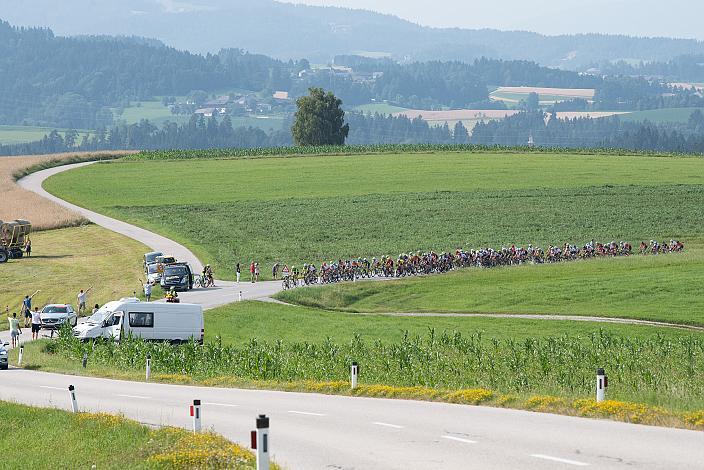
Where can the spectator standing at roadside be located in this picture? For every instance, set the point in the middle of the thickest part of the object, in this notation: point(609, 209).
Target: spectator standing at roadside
point(148, 291)
point(251, 272)
point(256, 271)
point(82, 296)
point(237, 271)
point(36, 323)
point(275, 271)
point(95, 309)
point(28, 248)
point(15, 330)
point(27, 309)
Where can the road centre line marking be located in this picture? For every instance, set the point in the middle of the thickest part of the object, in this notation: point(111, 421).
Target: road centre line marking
point(220, 404)
point(53, 388)
point(134, 396)
point(395, 426)
point(306, 413)
point(459, 439)
point(558, 459)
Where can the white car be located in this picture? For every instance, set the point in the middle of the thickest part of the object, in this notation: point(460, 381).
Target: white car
point(3, 356)
point(153, 274)
point(56, 315)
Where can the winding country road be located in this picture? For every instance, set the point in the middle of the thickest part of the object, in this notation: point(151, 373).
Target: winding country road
point(311, 431)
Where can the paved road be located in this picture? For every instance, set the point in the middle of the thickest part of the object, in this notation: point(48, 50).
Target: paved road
point(225, 292)
point(310, 431)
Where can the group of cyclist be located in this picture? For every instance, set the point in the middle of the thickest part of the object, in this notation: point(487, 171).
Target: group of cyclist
point(411, 264)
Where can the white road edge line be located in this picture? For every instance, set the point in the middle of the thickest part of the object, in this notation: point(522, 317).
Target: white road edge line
point(308, 413)
point(558, 459)
point(395, 426)
point(220, 404)
point(53, 388)
point(459, 439)
point(133, 396)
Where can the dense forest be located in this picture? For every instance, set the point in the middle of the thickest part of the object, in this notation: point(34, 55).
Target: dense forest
point(71, 82)
point(684, 68)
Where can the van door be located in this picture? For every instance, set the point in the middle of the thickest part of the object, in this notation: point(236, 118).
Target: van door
point(114, 326)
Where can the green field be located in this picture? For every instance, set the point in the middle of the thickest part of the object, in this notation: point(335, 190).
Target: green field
point(22, 134)
point(660, 116)
point(87, 440)
point(158, 114)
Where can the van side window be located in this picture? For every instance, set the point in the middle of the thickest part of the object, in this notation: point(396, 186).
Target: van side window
point(141, 320)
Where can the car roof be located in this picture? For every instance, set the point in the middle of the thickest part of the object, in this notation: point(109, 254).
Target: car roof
point(158, 253)
point(57, 305)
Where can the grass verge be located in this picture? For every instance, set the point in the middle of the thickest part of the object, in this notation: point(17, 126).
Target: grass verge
point(101, 440)
point(574, 405)
point(66, 260)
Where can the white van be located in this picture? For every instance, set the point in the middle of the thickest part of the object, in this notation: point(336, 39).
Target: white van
point(158, 321)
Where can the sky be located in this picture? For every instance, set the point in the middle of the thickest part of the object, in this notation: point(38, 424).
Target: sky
point(670, 18)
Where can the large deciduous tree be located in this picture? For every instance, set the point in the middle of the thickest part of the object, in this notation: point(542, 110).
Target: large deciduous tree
point(320, 120)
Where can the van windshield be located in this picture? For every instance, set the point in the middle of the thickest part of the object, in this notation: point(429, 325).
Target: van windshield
point(175, 271)
point(99, 316)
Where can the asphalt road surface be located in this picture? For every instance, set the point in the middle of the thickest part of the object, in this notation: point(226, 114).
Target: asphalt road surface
point(310, 431)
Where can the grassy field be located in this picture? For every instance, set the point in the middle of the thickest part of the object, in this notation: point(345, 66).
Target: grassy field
point(158, 114)
point(321, 208)
point(660, 116)
point(21, 134)
point(64, 261)
point(650, 288)
point(103, 441)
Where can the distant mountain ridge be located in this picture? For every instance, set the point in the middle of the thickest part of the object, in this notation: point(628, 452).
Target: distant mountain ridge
point(286, 31)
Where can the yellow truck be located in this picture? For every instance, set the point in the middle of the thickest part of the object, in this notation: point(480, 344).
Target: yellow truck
point(13, 238)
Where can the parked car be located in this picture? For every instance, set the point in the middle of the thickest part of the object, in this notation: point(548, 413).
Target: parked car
point(178, 275)
point(150, 257)
point(55, 315)
point(3, 356)
point(152, 273)
point(156, 321)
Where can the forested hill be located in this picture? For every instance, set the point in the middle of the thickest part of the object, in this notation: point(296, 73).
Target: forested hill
point(69, 81)
point(292, 31)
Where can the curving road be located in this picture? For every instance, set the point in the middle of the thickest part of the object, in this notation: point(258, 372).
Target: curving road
point(310, 431)
point(226, 291)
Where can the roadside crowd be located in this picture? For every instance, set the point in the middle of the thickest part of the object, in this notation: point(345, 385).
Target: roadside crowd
point(32, 315)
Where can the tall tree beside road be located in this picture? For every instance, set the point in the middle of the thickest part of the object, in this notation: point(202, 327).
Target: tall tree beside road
point(319, 120)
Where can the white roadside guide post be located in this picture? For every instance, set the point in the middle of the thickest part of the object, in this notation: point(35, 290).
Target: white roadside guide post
point(85, 359)
point(72, 394)
point(149, 366)
point(239, 297)
point(195, 412)
point(602, 381)
point(354, 372)
point(260, 442)
point(19, 358)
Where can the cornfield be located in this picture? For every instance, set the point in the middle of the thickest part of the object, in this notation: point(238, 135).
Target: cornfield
point(366, 149)
point(655, 369)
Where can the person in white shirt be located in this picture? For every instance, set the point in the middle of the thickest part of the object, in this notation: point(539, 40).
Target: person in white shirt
point(36, 323)
point(82, 296)
point(15, 330)
point(148, 291)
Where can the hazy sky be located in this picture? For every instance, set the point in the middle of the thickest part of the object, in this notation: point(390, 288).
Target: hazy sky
point(675, 18)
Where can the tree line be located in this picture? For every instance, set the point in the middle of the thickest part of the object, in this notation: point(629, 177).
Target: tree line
point(545, 131)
